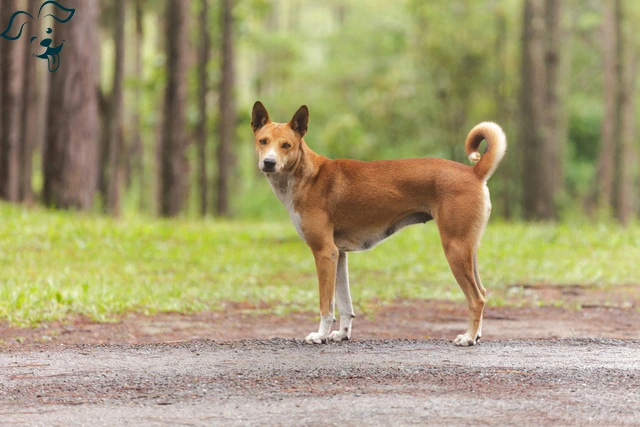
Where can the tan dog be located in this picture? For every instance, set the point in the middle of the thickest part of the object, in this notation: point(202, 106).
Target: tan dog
point(340, 206)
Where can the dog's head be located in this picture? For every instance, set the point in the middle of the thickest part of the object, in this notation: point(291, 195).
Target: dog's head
point(278, 144)
point(43, 45)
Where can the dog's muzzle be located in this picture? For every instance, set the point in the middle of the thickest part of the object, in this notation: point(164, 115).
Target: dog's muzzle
point(268, 165)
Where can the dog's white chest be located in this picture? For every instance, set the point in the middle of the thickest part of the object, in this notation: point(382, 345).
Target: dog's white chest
point(284, 192)
point(297, 223)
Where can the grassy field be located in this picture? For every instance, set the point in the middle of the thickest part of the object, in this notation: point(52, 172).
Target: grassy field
point(54, 264)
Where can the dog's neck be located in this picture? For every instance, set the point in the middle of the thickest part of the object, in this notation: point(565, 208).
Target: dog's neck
point(280, 182)
point(305, 167)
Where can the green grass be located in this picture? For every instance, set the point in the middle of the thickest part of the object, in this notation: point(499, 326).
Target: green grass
point(54, 264)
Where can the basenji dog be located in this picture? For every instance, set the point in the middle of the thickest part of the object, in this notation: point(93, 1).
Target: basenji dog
point(341, 206)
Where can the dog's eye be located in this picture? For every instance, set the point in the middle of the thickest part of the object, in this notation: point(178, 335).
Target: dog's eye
point(286, 145)
point(263, 141)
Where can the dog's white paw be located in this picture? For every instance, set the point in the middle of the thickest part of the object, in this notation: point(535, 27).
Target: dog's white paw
point(464, 340)
point(316, 338)
point(338, 336)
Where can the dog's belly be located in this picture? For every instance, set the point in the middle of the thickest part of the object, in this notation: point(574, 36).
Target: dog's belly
point(354, 240)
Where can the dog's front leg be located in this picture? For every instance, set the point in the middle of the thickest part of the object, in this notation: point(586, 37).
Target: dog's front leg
point(326, 257)
point(343, 298)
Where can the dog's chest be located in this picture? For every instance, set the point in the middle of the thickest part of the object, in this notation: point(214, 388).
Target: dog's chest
point(283, 189)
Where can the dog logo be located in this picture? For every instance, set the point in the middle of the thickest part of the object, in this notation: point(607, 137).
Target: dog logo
point(21, 18)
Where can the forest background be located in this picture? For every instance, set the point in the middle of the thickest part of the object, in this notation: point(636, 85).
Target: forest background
point(165, 88)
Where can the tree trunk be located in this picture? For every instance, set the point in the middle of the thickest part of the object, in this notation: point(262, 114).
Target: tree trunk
point(111, 111)
point(202, 101)
point(541, 130)
point(227, 119)
point(173, 161)
point(39, 121)
point(625, 129)
point(137, 147)
point(70, 155)
point(553, 152)
point(30, 119)
point(627, 159)
point(509, 172)
point(614, 178)
point(11, 87)
point(114, 128)
point(535, 204)
point(29, 122)
point(610, 87)
point(1, 78)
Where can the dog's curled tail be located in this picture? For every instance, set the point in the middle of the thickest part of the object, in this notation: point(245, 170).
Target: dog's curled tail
point(486, 163)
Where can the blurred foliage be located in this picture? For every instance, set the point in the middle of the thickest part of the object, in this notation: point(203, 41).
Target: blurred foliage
point(407, 78)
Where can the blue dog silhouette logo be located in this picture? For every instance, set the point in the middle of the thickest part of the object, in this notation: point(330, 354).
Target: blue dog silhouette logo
point(21, 18)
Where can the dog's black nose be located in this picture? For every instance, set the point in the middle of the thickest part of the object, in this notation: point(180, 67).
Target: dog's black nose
point(268, 165)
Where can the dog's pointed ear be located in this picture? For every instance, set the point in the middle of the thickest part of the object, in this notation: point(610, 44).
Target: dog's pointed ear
point(16, 23)
point(300, 121)
point(259, 116)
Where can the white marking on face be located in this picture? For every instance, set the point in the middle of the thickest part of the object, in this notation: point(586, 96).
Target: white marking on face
point(270, 155)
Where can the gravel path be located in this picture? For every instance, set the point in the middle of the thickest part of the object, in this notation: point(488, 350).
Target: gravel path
point(285, 382)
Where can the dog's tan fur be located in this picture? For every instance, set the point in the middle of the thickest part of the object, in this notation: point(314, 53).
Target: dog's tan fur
point(339, 206)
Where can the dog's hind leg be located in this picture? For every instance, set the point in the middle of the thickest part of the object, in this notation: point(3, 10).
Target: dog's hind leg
point(460, 257)
point(483, 291)
point(460, 232)
point(343, 299)
point(461, 222)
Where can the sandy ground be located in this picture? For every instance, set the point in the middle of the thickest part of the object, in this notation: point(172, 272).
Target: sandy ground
point(535, 366)
point(285, 382)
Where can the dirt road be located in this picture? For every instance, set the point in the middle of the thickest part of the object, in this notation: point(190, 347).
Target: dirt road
point(195, 370)
point(286, 382)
